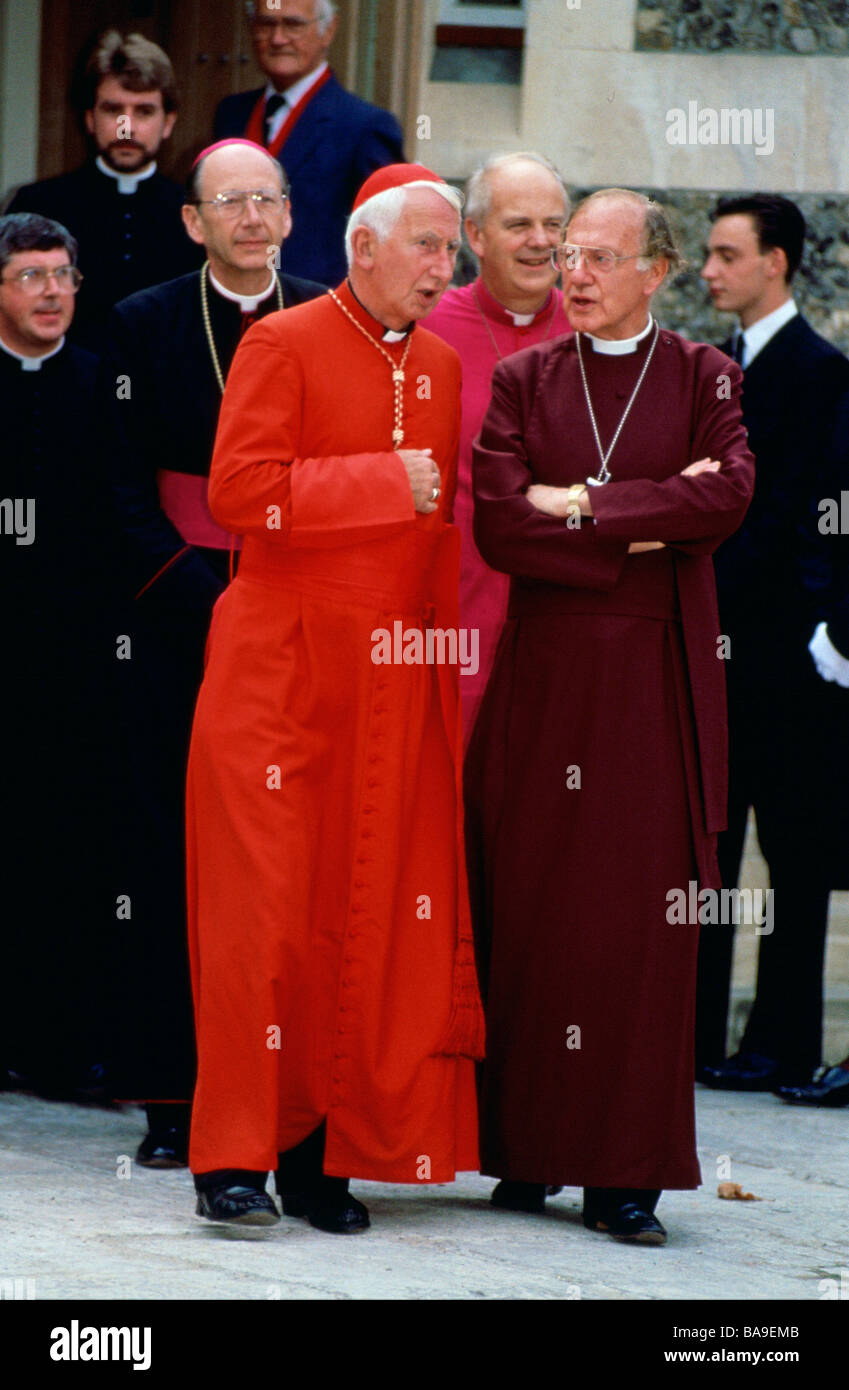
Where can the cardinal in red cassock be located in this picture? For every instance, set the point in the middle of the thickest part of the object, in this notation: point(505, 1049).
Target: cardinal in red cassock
point(336, 1002)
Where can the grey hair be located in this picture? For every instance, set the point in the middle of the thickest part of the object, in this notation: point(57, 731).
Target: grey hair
point(658, 238)
point(381, 212)
point(479, 186)
point(325, 12)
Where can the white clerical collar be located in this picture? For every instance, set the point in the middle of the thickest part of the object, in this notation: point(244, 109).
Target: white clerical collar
point(757, 335)
point(127, 183)
point(291, 97)
point(521, 320)
point(392, 336)
point(617, 347)
point(32, 364)
point(248, 303)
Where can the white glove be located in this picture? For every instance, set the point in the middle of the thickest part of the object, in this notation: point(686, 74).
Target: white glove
point(827, 659)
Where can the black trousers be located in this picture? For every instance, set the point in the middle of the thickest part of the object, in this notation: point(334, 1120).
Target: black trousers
point(781, 758)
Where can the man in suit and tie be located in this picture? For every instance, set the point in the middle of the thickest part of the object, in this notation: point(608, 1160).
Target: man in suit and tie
point(781, 584)
point(328, 140)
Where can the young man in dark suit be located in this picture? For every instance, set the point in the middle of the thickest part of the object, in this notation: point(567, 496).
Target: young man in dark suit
point(780, 595)
point(328, 140)
point(162, 377)
point(123, 212)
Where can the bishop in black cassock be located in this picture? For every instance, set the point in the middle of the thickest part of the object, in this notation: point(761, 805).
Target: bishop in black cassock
point(160, 394)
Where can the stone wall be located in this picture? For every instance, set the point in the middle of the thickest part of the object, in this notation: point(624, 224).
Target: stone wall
point(820, 287)
point(743, 26)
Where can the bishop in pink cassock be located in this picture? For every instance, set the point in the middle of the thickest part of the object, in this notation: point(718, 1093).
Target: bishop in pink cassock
point(516, 206)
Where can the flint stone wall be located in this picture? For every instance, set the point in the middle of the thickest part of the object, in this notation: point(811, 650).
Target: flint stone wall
point(743, 26)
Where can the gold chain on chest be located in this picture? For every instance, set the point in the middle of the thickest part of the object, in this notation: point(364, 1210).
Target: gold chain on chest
point(398, 375)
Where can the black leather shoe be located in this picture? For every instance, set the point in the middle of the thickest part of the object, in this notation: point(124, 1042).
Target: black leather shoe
point(242, 1206)
point(166, 1144)
point(327, 1205)
point(519, 1196)
point(165, 1148)
point(830, 1087)
point(628, 1223)
point(745, 1071)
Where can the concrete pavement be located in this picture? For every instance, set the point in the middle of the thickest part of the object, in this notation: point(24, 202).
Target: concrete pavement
point(79, 1221)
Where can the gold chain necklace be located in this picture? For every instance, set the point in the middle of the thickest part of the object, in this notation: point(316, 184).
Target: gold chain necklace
point(204, 308)
point(397, 372)
point(485, 321)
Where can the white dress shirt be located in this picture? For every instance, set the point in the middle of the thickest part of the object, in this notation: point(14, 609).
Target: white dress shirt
point(291, 97)
point(757, 335)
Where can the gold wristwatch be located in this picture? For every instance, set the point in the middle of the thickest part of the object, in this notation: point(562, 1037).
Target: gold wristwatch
point(573, 495)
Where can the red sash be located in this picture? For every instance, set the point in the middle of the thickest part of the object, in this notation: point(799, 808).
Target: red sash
point(256, 124)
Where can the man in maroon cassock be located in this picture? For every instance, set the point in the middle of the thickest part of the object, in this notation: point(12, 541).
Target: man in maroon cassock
point(609, 466)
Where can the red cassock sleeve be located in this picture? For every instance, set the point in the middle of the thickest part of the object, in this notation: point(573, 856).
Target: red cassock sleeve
point(690, 514)
point(511, 534)
point(259, 484)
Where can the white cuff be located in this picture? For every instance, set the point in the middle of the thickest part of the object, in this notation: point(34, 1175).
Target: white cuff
point(827, 659)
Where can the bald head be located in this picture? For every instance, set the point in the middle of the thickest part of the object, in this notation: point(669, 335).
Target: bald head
point(242, 234)
point(516, 210)
point(234, 165)
point(638, 214)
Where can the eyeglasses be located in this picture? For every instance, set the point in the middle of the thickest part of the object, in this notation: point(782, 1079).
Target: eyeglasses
point(34, 279)
point(232, 205)
point(568, 257)
point(293, 27)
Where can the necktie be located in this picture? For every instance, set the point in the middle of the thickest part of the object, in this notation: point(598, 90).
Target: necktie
point(739, 348)
point(272, 106)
